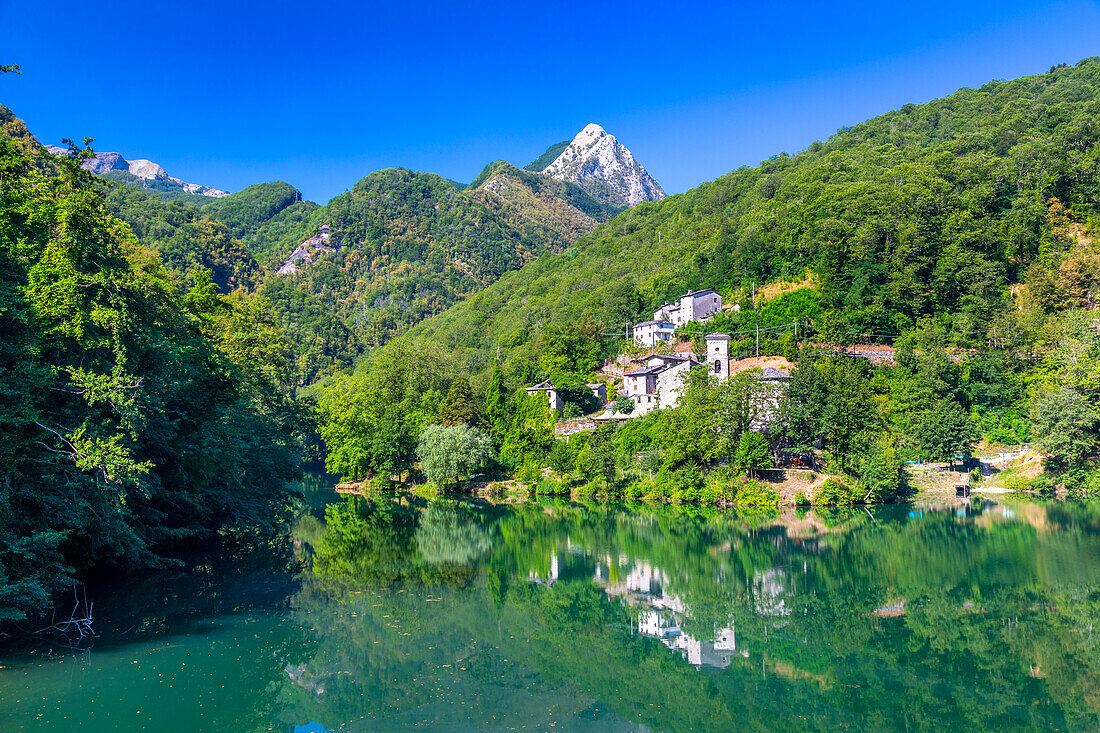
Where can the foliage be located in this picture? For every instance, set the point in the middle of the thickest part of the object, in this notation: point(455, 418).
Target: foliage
point(623, 406)
point(944, 431)
point(596, 458)
point(1066, 428)
point(530, 436)
point(830, 398)
point(460, 407)
point(835, 493)
point(756, 493)
point(370, 421)
point(138, 413)
point(752, 452)
point(450, 453)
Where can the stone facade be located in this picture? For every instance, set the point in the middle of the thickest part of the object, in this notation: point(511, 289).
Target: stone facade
point(718, 355)
point(554, 401)
point(658, 383)
point(693, 306)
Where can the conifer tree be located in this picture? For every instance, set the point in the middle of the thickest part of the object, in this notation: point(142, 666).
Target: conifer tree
point(460, 406)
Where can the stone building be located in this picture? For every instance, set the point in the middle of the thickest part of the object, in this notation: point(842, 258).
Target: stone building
point(554, 400)
point(694, 306)
point(658, 383)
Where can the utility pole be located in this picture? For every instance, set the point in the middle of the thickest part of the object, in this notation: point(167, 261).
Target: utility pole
point(757, 314)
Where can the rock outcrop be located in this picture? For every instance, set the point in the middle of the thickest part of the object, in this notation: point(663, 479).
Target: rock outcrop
point(147, 170)
point(603, 167)
point(307, 251)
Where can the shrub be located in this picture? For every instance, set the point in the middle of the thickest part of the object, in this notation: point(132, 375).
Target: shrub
point(623, 405)
point(550, 487)
point(589, 488)
point(562, 456)
point(530, 473)
point(756, 493)
point(637, 489)
point(834, 493)
point(752, 453)
point(801, 500)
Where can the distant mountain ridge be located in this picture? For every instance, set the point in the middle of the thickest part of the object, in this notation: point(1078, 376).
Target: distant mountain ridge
point(104, 164)
point(601, 165)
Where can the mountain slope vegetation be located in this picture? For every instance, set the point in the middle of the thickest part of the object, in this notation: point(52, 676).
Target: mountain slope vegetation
point(140, 409)
point(412, 244)
point(940, 210)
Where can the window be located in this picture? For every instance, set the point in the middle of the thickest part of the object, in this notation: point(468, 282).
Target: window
point(717, 366)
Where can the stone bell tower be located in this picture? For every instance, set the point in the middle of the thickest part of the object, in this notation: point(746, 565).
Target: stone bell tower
point(717, 357)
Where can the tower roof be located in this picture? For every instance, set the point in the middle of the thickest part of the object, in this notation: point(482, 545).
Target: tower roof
point(717, 337)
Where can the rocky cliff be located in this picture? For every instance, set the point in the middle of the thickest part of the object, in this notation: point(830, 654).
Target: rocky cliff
point(603, 167)
point(146, 170)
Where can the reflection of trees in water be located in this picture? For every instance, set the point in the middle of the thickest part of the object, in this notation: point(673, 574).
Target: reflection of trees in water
point(447, 535)
point(872, 623)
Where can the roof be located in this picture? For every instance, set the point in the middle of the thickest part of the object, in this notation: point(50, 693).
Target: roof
point(595, 385)
point(773, 373)
point(653, 323)
point(697, 293)
point(543, 385)
point(644, 371)
point(667, 357)
point(717, 337)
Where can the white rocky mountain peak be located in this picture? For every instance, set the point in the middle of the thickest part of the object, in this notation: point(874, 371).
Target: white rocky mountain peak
point(145, 169)
point(603, 166)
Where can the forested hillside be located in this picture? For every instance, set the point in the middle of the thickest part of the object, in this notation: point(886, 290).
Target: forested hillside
point(962, 231)
point(413, 244)
point(140, 409)
point(959, 210)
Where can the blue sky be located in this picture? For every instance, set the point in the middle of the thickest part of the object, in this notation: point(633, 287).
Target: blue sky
point(320, 94)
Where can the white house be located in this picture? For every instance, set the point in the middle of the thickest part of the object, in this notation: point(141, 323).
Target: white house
point(554, 401)
point(694, 306)
point(658, 383)
point(653, 333)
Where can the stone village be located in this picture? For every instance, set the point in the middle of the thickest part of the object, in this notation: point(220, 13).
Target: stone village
point(653, 379)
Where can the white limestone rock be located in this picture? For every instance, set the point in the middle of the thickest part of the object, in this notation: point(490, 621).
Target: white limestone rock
point(146, 170)
point(601, 165)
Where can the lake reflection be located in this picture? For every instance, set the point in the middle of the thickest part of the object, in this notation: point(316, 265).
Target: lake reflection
point(443, 615)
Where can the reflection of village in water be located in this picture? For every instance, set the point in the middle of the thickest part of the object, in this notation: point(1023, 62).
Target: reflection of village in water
point(657, 613)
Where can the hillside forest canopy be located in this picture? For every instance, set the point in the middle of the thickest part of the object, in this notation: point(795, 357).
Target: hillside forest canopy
point(160, 383)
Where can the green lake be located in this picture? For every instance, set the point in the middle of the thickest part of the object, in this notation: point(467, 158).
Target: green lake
point(406, 613)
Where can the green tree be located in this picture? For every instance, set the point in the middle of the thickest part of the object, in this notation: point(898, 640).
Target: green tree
point(623, 405)
point(596, 459)
point(449, 453)
point(1066, 428)
point(945, 431)
point(562, 456)
point(530, 436)
point(460, 407)
point(830, 398)
point(496, 402)
point(752, 453)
